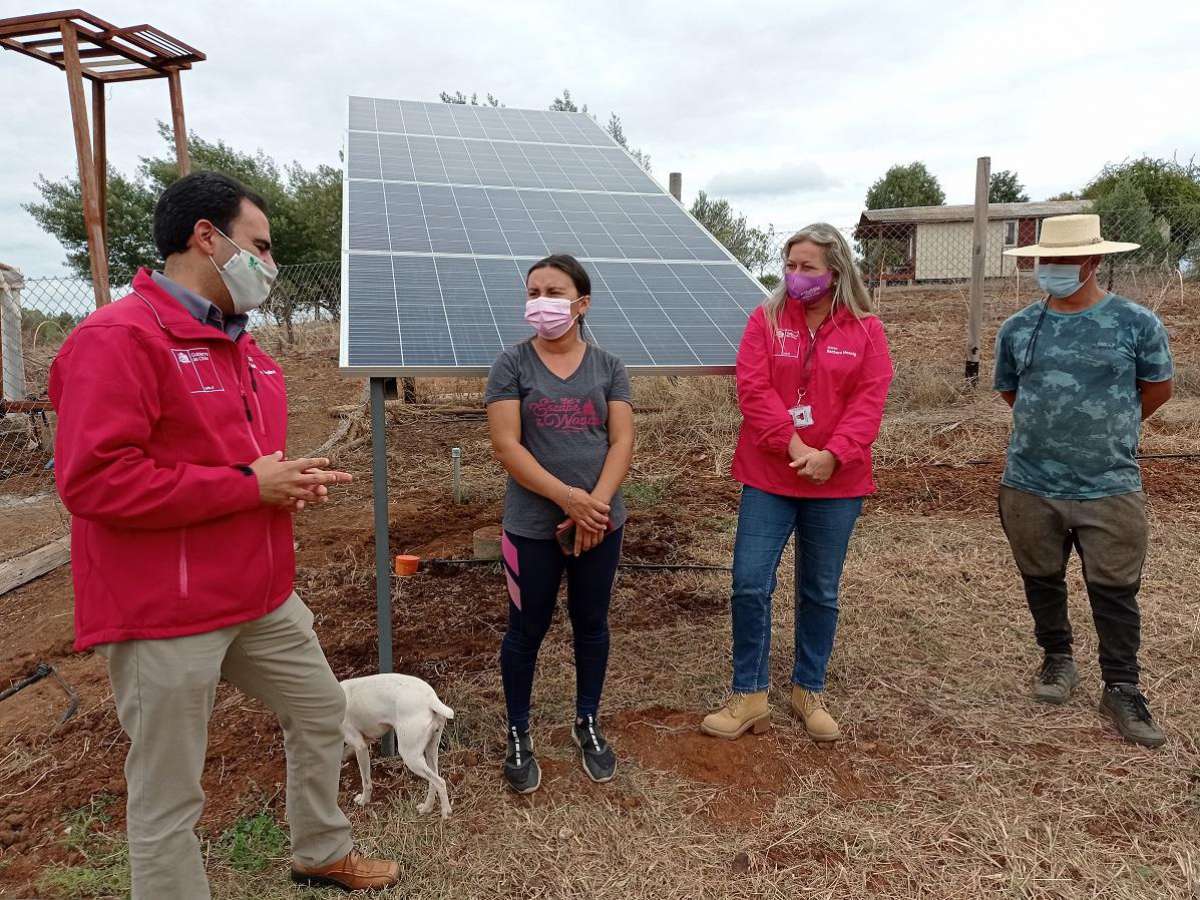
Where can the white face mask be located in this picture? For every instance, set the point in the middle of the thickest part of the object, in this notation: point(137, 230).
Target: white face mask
point(247, 278)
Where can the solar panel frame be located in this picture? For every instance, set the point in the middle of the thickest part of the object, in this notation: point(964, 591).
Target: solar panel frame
point(714, 297)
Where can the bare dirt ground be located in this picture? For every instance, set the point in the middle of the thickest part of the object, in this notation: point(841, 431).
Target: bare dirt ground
point(949, 782)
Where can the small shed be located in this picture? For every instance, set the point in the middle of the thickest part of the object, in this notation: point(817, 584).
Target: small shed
point(933, 243)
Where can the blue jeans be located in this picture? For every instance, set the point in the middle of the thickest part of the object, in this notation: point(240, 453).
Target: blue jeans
point(765, 522)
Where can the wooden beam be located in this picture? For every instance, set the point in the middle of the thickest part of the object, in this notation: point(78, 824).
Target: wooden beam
point(100, 155)
point(97, 251)
point(137, 75)
point(24, 569)
point(49, 20)
point(983, 168)
point(94, 53)
point(177, 123)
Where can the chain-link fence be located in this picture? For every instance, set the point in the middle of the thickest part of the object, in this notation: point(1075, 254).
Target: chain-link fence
point(901, 253)
point(931, 246)
point(37, 314)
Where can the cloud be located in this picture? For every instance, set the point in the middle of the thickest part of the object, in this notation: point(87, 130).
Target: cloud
point(782, 181)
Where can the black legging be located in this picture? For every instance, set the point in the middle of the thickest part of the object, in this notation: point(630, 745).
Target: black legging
point(534, 570)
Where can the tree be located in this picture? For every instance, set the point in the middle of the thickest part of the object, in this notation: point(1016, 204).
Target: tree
point(901, 185)
point(1003, 187)
point(753, 247)
point(617, 133)
point(305, 206)
point(461, 98)
point(130, 210)
point(910, 185)
point(566, 104)
point(1172, 192)
point(1065, 195)
point(1126, 215)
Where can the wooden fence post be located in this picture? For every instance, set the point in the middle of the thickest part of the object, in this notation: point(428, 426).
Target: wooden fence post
point(12, 359)
point(983, 167)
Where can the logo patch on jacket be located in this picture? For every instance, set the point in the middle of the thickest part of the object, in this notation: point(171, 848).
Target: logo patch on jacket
point(199, 373)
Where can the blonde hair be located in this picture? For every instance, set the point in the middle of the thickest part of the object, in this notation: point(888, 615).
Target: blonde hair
point(848, 288)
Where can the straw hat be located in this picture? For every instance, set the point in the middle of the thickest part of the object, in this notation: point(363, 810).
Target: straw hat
point(1071, 236)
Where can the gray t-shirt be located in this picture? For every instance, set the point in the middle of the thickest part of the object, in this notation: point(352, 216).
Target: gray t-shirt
point(564, 424)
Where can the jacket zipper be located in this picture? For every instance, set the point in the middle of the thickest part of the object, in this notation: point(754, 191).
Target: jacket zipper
point(262, 420)
point(183, 564)
point(243, 362)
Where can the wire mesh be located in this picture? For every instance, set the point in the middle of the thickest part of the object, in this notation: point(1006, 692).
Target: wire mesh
point(930, 251)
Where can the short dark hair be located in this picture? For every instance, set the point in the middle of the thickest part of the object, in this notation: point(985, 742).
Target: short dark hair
point(201, 195)
point(569, 266)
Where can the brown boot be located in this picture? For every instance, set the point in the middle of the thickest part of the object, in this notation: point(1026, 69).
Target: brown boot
point(810, 707)
point(742, 713)
point(350, 873)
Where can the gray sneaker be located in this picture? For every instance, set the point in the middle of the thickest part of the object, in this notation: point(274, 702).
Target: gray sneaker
point(1126, 707)
point(1056, 680)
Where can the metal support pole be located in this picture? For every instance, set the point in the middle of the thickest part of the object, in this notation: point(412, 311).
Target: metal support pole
point(456, 474)
point(978, 263)
point(383, 553)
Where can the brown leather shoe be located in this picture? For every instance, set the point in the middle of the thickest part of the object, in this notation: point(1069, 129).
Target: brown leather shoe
point(352, 872)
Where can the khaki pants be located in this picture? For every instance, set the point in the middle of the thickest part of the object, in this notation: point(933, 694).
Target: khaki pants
point(1110, 535)
point(164, 692)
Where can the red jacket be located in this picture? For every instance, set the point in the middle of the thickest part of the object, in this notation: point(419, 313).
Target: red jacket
point(848, 384)
point(156, 413)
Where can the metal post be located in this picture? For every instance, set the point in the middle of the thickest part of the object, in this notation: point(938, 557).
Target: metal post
point(456, 474)
point(676, 185)
point(983, 169)
point(383, 553)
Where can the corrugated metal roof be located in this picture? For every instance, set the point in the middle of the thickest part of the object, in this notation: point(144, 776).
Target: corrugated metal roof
point(966, 212)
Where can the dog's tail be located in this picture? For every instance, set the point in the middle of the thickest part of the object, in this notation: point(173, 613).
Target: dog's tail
point(442, 709)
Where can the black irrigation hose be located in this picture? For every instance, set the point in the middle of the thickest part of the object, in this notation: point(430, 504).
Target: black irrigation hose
point(673, 567)
point(44, 670)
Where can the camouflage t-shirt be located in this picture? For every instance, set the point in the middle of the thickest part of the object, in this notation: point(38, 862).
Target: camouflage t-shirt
point(1078, 415)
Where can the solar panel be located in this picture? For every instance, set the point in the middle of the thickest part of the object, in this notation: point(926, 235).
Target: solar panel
point(447, 205)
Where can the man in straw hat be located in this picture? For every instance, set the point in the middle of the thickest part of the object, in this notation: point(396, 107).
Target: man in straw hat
point(1081, 369)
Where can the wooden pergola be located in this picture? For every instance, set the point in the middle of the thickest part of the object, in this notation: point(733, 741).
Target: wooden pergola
point(85, 46)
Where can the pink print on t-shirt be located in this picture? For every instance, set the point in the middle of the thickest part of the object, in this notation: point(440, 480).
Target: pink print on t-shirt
point(565, 414)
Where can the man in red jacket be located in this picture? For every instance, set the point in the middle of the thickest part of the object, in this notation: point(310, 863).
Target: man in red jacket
point(170, 455)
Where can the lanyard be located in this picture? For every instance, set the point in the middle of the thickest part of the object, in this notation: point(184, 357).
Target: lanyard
point(810, 352)
point(1032, 345)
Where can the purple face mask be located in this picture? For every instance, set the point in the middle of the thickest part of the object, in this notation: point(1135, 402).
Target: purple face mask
point(807, 288)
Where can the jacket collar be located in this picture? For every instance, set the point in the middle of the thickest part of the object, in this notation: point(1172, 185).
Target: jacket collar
point(170, 313)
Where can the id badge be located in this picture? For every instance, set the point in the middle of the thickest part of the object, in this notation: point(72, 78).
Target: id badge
point(801, 415)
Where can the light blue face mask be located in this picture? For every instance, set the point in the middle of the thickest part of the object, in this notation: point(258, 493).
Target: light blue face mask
point(1059, 280)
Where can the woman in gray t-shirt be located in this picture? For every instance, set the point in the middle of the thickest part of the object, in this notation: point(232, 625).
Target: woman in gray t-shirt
point(561, 419)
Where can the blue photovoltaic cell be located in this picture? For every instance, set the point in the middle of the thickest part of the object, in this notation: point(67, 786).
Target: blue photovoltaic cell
point(447, 206)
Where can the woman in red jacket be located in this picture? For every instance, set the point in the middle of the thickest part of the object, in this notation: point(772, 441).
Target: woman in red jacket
point(812, 376)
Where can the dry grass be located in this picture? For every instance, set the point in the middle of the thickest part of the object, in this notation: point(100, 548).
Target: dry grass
point(949, 784)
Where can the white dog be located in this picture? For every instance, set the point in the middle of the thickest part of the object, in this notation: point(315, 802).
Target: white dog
point(376, 704)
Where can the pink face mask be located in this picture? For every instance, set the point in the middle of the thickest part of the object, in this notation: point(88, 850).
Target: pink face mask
point(550, 317)
point(807, 288)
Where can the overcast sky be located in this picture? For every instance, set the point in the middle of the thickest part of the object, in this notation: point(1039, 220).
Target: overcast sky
point(790, 110)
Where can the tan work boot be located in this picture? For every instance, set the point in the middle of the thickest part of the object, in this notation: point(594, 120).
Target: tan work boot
point(810, 707)
point(740, 714)
point(352, 872)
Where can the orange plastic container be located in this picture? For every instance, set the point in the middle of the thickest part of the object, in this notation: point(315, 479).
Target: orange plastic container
point(406, 565)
